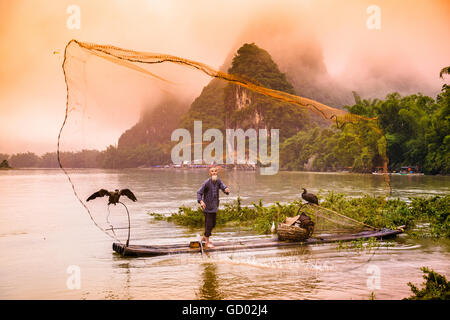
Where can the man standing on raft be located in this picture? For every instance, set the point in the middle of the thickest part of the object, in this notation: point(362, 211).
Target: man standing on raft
point(208, 197)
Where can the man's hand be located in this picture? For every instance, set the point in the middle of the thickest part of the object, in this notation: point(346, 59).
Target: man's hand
point(227, 191)
point(202, 204)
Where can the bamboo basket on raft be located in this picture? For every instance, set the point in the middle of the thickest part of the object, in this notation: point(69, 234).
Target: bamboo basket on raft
point(291, 231)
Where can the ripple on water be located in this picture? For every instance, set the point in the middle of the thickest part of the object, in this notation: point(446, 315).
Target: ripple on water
point(309, 272)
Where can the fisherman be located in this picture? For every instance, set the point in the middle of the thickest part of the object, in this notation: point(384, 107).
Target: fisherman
point(208, 197)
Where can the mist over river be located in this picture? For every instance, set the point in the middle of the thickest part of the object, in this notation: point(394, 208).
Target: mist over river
point(45, 234)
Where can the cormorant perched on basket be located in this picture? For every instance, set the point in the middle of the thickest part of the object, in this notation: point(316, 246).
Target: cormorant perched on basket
point(114, 196)
point(305, 222)
point(309, 197)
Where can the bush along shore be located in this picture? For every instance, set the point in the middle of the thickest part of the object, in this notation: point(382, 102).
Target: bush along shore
point(435, 287)
point(422, 216)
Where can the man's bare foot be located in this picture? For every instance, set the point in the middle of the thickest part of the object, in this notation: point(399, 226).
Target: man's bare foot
point(210, 245)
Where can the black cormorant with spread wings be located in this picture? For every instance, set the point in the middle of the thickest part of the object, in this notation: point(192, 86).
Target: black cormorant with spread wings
point(114, 196)
point(311, 198)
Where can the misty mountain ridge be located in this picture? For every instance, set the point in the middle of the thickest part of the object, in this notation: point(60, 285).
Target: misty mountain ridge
point(224, 105)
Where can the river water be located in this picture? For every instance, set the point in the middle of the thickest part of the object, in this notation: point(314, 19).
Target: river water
point(51, 249)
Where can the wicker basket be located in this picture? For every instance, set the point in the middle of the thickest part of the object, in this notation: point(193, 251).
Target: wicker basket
point(291, 232)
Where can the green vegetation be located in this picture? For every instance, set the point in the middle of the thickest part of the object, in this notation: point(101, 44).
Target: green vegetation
point(222, 105)
point(436, 287)
point(445, 70)
point(416, 131)
point(356, 147)
point(256, 217)
point(5, 165)
point(429, 213)
point(245, 109)
point(27, 159)
point(256, 64)
point(148, 142)
point(361, 245)
point(207, 107)
point(82, 159)
point(379, 212)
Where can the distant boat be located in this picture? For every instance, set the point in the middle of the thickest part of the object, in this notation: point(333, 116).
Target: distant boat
point(400, 174)
point(404, 171)
point(407, 174)
point(409, 171)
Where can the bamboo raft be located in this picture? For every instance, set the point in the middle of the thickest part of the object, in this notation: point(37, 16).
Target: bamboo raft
point(157, 250)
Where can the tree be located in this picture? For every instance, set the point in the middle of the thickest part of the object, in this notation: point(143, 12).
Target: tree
point(4, 164)
point(24, 160)
point(415, 130)
point(445, 70)
point(435, 287)
point(4, 156)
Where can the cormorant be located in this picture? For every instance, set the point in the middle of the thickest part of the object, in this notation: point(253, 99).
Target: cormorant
point(306, 222)
point(309, 197)
point(114, 196)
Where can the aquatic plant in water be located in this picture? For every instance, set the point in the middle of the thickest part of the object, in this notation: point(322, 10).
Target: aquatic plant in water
point(432, 212)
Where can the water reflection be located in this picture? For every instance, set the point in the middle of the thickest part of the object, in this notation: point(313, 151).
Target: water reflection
point(64, 235)
point(123, 267)
point(210, 287)
point(127, 284)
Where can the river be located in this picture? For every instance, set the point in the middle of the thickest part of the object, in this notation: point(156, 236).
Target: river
point(48, 240)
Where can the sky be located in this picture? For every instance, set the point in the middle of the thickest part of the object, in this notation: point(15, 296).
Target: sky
point(321, 40)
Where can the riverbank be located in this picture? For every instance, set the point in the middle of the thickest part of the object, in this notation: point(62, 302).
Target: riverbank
point(224, 167)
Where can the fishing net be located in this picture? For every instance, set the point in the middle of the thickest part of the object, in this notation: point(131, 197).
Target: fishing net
point(130, 59)
point(330, 222)
point(99, 95)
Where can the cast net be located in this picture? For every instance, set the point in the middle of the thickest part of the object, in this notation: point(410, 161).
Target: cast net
point(328, 222)
point(98, 95)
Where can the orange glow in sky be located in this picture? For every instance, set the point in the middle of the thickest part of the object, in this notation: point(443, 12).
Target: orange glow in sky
point(411, 43)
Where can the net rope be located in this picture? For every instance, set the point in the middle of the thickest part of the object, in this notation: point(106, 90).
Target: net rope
point(131, 58)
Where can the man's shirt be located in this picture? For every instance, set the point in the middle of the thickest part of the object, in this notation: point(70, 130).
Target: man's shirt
point(209, 193)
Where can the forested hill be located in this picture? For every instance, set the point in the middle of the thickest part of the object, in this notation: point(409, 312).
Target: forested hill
point(148, 141)
point(414, 129)
point(207, 107)
point(256, 64)
point(156, 124)
point(222, 105)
